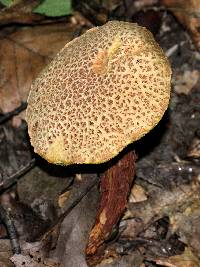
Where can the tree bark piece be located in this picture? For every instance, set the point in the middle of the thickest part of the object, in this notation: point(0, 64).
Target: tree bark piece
point(115, 187)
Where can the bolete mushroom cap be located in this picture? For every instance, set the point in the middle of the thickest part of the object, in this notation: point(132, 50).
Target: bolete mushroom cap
point(104, 90)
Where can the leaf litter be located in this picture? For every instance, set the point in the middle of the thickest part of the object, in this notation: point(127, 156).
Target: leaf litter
point(160, 226)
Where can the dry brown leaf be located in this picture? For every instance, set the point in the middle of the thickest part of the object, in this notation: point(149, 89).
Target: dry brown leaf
point(184, 82)
point(20, 11)
point(26, 261)
point(63, 198)
point(194, 150)
point(23, 54)
point(70, 248)
point(34, 255)
point(188, 13)
point(78, 176)
point(137, 194)
point(5, 253)
point(187, 259)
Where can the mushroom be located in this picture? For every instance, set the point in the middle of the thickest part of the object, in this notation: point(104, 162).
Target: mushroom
point(103, 91)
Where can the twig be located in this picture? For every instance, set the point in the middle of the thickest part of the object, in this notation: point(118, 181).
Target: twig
point(9, 115)
point(7, 220)
point(77, 194)
point(88, 184)
point(173, 49)
point(13, 178)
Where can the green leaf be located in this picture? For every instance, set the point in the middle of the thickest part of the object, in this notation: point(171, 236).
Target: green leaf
point(6, 2)
point(54, 8)
point(51, 8)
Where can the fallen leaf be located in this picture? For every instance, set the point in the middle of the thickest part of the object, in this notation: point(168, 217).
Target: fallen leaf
point(186, 81)
point(23, 54)
point(20, 11)
point(63, 198)
point(78, 176)
point(194, 150)
point(27, 261)
point(137, 194)
point(5, 253)
point(187, 259)
point(74, 232)
point(54, 8)
point(34, 254)
point(188, 13)
point(47, 7)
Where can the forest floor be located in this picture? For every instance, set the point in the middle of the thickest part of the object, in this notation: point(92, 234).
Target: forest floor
point(52, 210)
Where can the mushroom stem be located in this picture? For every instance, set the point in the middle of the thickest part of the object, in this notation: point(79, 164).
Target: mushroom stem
point(115, 187)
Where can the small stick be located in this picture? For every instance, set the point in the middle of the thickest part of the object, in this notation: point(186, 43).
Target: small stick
point(12, 233)
point(77, 194)
point(14, 177)
point(7, 116)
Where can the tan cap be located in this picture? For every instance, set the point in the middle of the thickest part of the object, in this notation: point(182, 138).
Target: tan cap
point(104, 90)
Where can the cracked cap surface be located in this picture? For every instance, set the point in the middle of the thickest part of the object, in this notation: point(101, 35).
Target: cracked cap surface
point(104, 90)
